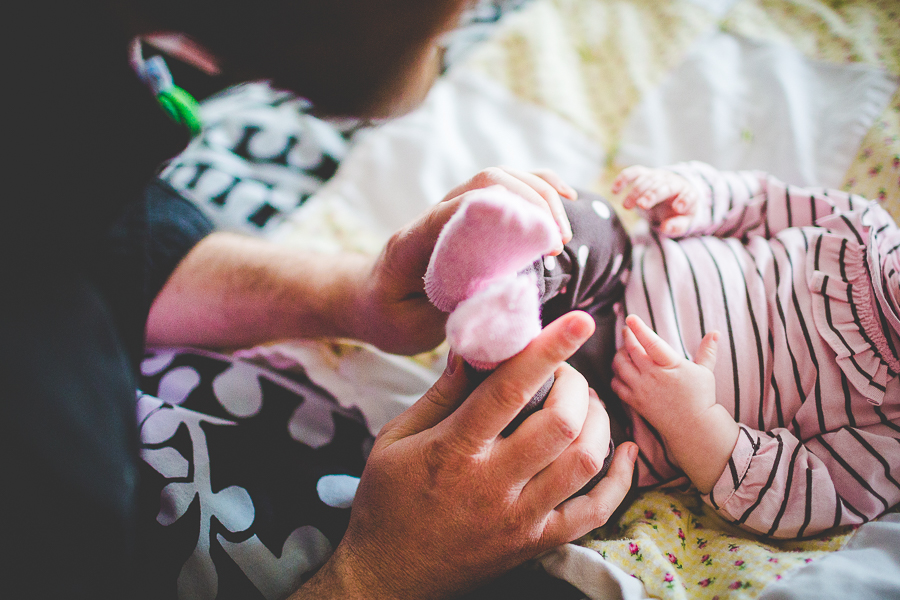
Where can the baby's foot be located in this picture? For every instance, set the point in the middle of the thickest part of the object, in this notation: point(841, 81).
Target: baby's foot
point(493, 235)
point(496, 323)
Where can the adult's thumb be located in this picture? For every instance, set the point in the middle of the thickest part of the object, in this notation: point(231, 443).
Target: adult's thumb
point(445, 396)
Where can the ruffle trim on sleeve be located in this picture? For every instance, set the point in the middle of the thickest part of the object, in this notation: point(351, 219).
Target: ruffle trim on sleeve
point(845, 315)
point(733, 476)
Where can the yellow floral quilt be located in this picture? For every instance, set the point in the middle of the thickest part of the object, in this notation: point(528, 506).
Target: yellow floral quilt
point(679, 548)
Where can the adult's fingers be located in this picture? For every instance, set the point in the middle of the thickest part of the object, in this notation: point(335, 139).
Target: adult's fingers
point(495, 403)
point(659, 351)
point(547, 433)
point(576, 465)
point(577, 516)
point(447, 393)
point(530, 187)
point(553, 178)
point(549, 194)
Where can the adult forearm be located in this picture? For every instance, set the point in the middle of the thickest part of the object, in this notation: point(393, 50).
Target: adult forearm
point(233, 291)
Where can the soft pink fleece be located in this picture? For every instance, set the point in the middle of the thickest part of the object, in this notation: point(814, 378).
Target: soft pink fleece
point(496, 323)
point(493, 235)
point(473, 275)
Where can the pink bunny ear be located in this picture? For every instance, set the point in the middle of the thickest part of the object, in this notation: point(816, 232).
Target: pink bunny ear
point(496, 323)
point(494, 234)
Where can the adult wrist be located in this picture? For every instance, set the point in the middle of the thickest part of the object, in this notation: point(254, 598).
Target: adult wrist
point(346, 577)
point(334, 580)
point(354, 319)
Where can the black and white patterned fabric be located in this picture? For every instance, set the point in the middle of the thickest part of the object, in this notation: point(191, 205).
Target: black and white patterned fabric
point(247, 476)
point(260, 155)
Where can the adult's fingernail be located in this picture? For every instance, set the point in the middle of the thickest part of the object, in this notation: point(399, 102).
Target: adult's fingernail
point(452, 363)
point(632, 453)
point(578, 329)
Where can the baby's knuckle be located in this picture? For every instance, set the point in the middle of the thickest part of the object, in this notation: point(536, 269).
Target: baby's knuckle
point(617, 385)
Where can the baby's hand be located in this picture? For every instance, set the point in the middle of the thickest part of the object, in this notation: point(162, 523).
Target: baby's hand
point(669, 391)
point(668, 200)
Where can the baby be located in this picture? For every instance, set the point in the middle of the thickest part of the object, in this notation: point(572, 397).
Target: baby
point(768, 374)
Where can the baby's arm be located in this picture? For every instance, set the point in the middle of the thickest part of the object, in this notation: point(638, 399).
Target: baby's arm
point(784, 487)
point(695, 198)
point(678, 398)
point(769, 482)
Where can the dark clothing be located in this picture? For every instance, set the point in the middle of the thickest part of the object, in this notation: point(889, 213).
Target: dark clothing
point(141, 250)
point(85, 253)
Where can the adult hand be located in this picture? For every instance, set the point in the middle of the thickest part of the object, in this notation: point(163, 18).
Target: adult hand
point(541, 187)
point(392, 310)
point(234, 291)
point(446, 502)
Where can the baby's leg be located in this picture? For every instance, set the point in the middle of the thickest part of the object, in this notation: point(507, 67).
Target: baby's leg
point(473, 272)
point(590, 275)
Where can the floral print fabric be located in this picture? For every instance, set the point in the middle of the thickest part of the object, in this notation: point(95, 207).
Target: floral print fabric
point(681, 549)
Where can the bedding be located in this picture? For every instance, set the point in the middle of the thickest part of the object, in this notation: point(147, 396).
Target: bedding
point(805, 89)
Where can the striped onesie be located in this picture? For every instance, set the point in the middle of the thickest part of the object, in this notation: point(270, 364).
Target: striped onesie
point(804, 286)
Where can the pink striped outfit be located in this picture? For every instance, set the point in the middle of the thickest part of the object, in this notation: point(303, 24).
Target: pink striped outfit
point(804, 286)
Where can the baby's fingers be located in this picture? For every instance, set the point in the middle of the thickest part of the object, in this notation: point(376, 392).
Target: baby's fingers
point(624, 368)
point(686, 200)
point(625, 375)
point(706, 353)
point(655, 347)
point(645, 191)
point(626, 177)
point(674, 226)
point(632, 349)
